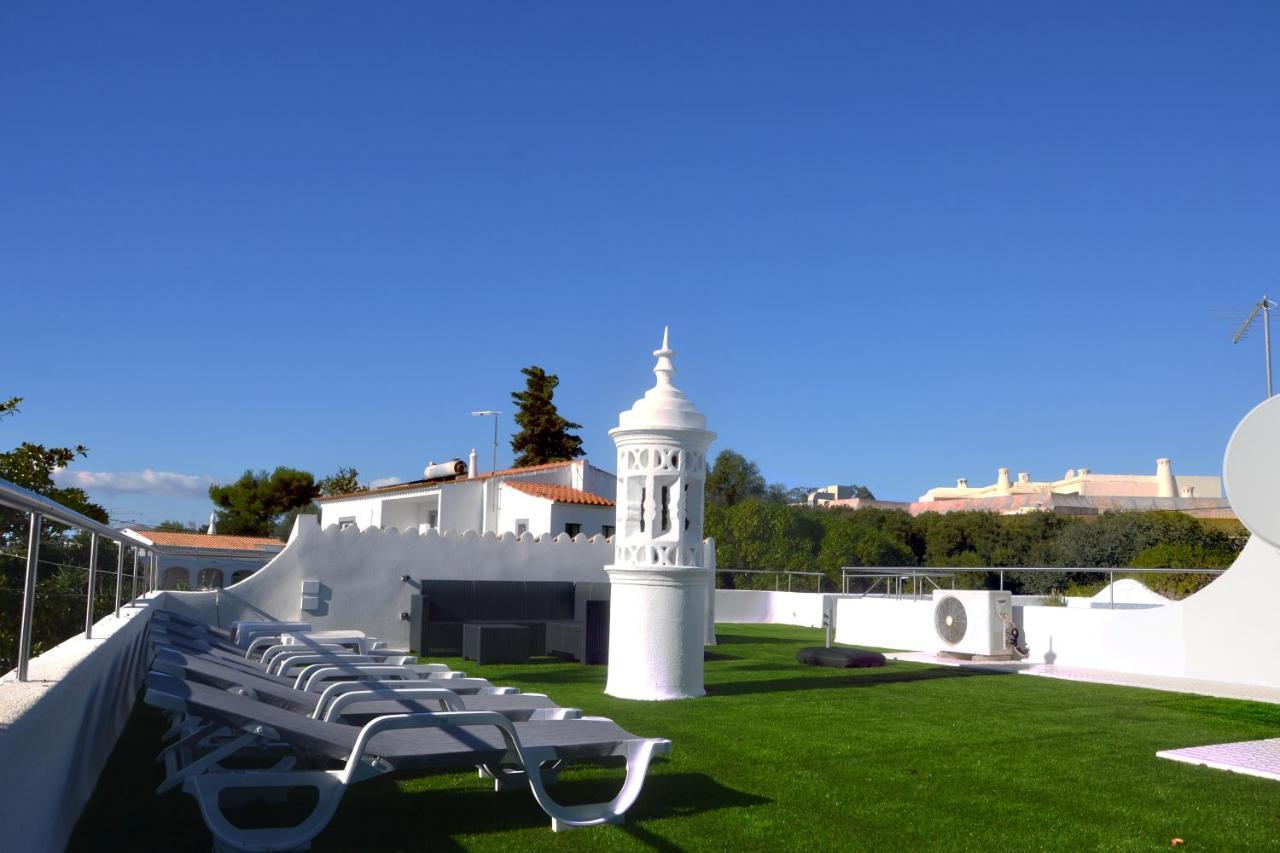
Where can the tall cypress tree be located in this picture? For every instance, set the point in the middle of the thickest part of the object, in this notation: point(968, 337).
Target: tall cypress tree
point(544, 436)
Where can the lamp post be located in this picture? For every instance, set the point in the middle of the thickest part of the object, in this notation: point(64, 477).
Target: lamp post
point(484, 414)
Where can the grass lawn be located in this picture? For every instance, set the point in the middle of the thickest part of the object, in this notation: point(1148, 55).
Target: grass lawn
point(783, 756)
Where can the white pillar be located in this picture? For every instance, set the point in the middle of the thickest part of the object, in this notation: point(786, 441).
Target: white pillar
point(659, 583)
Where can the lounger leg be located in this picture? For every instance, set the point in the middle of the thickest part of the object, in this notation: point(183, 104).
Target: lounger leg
point(638, 754)
point(206, 761)
point(227, 836)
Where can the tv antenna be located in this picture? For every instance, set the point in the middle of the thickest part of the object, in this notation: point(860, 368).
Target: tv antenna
point(1264, 305)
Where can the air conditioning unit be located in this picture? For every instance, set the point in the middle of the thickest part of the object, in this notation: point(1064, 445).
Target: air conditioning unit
point(968, 621)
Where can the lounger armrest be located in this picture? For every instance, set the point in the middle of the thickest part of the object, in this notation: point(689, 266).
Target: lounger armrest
point(448, 700)
point(283, 663)
point(334, 689)
point(279, 649)
point(312, 677)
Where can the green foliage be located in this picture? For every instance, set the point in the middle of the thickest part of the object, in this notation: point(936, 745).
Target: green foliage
point(181, 527)
point(734, 478)
point(255, 503)
point(766, 536)
point(341, 482)
point(60, 586)
point(544, 435)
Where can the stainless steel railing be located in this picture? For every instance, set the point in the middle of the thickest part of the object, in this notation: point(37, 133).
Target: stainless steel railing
point(914, 577)
point(777, 575)
point(39, 509)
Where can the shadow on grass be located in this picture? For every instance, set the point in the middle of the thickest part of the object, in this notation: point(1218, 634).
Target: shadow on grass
point(718, 656)
point(834, 682)
point(749, 640)
point(375, 814)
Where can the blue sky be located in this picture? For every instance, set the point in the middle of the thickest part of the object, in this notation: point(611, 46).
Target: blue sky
point(895, 243)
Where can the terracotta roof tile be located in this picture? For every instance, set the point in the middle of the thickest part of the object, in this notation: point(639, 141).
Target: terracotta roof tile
point(205, 540)
point(431, 484)
point(559, 494)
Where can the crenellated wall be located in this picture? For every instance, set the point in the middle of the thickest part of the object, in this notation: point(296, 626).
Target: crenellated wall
point(359, 574)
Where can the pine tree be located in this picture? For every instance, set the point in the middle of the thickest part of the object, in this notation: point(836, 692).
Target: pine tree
point(544, 436)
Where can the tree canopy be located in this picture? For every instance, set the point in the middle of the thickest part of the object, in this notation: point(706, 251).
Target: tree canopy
point(255, 503)
point(342, 482)
point(544, 435)
point(734, 478)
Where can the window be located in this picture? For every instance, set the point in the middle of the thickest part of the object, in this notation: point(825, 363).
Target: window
point(607, 531)
point(573, 529)
point(666, 508)
point(433, 517)
point(522, 526)
point(236, 577)
point(209, 579)
point(348, 521)
point(643, 491)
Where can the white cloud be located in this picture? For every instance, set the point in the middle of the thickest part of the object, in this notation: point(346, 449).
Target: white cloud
point(383, 481)
point(145, 482)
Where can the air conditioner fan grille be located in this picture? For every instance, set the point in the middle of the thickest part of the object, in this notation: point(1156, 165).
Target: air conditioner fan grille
point(950, 620)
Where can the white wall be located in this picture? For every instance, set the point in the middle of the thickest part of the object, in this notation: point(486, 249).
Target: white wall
point(1225, 632)
point(359, 573)
point(366, 511)
point(58, 729)
point(517, 505)
point(593, 519)
point(767, 607)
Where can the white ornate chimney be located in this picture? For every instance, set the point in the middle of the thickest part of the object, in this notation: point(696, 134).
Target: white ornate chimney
point(659, 583)
point(1166, 485)
point(213, 524)
point(471, 464)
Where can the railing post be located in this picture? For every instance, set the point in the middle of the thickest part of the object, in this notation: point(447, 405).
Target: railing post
point(133, 586)
point(1112, 587)
point(29, 596)
point(119, 574)
point(93, 572)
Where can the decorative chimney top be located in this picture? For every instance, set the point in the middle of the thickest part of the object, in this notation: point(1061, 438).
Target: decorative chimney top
point(213, 524)
point(664, 405)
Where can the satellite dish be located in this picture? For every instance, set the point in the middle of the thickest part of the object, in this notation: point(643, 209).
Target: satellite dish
point(1251, 471)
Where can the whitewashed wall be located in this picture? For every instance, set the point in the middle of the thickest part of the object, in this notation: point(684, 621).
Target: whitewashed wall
point(752, 606)
point(58, 729)
point(1226, 632)
point(359, 572)
point(592, 518)
point(516, 505)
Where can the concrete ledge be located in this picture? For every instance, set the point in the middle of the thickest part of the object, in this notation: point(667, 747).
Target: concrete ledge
point(58, 728)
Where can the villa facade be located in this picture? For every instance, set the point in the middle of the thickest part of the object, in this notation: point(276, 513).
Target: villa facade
point(572, 497)
point(191, 560)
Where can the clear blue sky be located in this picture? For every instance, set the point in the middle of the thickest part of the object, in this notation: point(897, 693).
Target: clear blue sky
point(895, 243)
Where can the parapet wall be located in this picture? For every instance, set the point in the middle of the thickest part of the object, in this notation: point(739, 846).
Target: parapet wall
point(359, 574)
point(58, 729)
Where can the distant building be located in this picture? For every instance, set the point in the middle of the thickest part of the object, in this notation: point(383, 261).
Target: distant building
point(560, 497)
point(830, 494)
point(1162, 484)
point(1079, 492)
point(190, 560)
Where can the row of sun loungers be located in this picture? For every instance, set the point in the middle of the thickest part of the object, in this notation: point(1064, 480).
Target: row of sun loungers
point(324, 710)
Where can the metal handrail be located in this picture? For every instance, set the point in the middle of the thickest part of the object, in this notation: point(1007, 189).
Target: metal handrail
point(775, 573)
point(39, 508)
point(896, 574)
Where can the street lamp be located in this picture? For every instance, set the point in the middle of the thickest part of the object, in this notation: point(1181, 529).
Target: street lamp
point(484, 414)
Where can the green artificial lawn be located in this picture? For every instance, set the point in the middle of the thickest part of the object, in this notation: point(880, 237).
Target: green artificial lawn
point(784, 756)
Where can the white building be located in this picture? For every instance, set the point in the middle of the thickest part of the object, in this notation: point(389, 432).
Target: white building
point(1161, 484)
point(559, 497)
point(190, 560)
